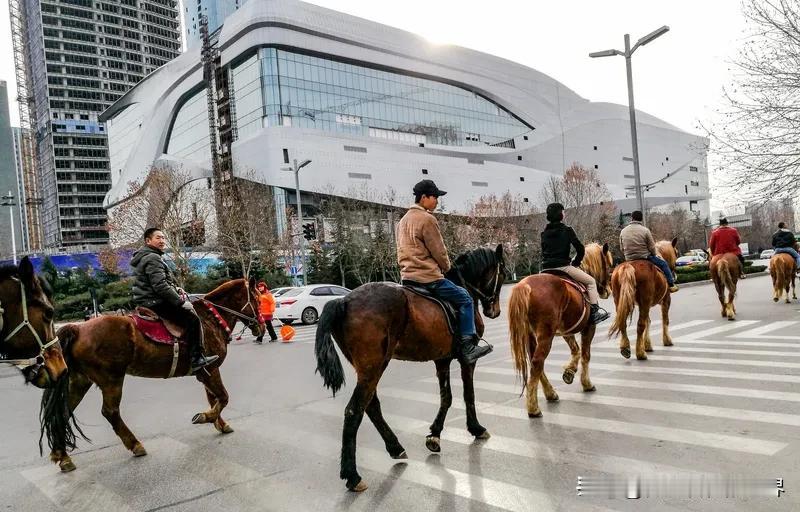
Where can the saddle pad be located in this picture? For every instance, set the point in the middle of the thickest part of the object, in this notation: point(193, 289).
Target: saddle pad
point(154, 330)
point(566, 278)
point(447, 309)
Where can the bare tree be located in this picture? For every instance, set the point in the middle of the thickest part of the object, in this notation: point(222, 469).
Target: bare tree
point(758, 129)
point(689, 230)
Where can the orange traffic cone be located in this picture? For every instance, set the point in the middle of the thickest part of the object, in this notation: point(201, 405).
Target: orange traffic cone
point(287, 333)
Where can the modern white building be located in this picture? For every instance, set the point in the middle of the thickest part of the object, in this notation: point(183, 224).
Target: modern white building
point(377, 109)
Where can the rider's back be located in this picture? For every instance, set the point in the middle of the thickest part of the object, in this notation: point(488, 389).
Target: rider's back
point(636, 242)
point(421, 253)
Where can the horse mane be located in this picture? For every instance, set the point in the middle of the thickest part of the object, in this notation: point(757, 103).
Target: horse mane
point(7, 271)
point(593, 259)
point(223, 289)
point(473, 263)
point(665, 249)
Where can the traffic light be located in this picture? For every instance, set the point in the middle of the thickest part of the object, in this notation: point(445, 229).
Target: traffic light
point(309, 231)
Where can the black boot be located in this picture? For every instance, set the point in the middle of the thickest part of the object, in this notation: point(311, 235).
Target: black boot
point(200, 361)
point(597, 315)
point(468, 350)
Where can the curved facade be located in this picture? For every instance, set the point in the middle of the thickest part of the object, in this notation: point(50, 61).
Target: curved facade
point(376, 109)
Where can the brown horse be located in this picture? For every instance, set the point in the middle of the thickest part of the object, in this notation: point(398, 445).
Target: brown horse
point(378, 322)
point(641, 283)
point(543, 306)
point(28, 341)
point(725, 274)
point(782, 269)
point(105, 349)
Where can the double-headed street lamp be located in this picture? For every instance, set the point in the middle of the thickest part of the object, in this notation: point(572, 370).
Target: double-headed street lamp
point(302, 242)
point(634, 142)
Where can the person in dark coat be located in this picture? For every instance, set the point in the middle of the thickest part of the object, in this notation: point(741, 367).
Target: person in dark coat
point(155, 288)
point(783, 241)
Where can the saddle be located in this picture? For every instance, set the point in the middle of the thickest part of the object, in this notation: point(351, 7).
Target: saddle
point(567, 279)
point(155, 328)
point(450, 314)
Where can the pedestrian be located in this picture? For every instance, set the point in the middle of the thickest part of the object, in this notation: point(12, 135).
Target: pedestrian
point(86, 314)
point(266, 307)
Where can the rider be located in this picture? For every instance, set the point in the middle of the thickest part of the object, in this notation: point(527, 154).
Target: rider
point(423, 261)
point(557, 238)
point(155, 288)
point(726, 239)
point(783, 241)
point(637, 243)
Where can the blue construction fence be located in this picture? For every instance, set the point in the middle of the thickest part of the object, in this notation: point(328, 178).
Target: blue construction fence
point(90, 261)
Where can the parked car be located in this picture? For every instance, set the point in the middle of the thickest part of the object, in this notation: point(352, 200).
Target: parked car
point(277, 292)
point(690, 261)
point(305, 303)
point(698, 252)
point(767, 254)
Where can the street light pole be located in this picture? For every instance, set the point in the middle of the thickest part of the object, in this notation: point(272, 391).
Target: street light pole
point(628, 53)
point(9, 201)
point(296, 169)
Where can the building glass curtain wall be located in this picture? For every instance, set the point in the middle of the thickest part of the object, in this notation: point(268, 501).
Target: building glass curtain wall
point(189, 135)
point(319, 93)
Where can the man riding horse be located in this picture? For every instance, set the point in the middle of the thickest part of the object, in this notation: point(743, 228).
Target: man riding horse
point(423, 261)
point(637, 243)
point(725, 239)
point(557, 239)
point(783, 241)
point(155, 288)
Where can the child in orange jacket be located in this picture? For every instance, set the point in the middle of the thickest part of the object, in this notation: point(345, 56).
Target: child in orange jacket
point(266, 308)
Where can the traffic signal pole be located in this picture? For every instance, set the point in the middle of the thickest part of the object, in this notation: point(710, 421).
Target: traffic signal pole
point(296, 170)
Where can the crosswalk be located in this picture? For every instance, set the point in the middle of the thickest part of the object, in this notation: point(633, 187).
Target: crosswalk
point(723, 400)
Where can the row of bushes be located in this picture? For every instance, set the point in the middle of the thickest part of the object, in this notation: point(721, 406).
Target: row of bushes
point(701, 273)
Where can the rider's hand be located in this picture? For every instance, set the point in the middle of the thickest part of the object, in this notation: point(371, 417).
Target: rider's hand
point(188, 306)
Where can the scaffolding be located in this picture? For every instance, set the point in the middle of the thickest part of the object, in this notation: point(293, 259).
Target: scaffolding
point(25, 100)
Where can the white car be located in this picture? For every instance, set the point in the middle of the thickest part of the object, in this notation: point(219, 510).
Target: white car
point(277, 292)
point(767, 254)
point(305, 303)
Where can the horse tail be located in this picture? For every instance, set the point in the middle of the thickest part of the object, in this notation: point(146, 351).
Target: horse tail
point(56, 420)
point(627, 299)
point(329, 365)
point(520, 329)
point(724, 271)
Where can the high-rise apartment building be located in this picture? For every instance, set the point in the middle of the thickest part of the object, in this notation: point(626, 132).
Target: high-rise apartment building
point(215, 10)
point(8, 180)
point(23, 243)
point(82, 56)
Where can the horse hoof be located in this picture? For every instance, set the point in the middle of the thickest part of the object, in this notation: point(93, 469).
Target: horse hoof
point(485, 435)
point(569, 376)
point(731, 318)
point(641, 357)
point(138, 450)
point(359, 487)
point(433, 444)
point(589, 390)
point(537, 414)
point(224, 429)
point(648, 349)
point(198, 418)
point(775, 299)
point(668, 343)
point(626, 353)
point(67, 466)
point(552, 398)
point(402, 455)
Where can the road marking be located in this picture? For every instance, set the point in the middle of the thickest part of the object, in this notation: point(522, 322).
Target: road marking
point(74, 494)
point(680, 348)
point(761, 332)
point(658, 356)
point(654, 405)
point(722, 328)
point(731, 343)
point(677, 435)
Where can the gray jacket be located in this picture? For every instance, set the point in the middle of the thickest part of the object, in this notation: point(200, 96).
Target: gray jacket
point(637, 242)
point(154, 282)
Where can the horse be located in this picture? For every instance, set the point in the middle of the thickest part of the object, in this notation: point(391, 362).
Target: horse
point(543, 306)
point(378, 322)
point(105, 349)
point(639, 282)
point(725, 274)
point(782, 269)
point(28, 341)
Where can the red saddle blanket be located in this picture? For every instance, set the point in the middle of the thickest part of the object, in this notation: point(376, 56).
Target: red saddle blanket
point(154, 330)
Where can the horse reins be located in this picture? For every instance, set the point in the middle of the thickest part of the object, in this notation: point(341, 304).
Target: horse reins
point(482, 296)
point(238, 314)
point(26, 323)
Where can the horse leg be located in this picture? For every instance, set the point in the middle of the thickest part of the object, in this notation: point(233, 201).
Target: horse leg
point(213, 383)
point(112, 396)
point(353, 414)
point(641, 332)
point(666, 339)
point(648, 344)
point(794, 295)
point(571, 368)
point(586, 354)
point(547, 388)
point(539, 348)
point(432, 440)
point(474, 428)
point(721, 296)
point(78, 386)
point(221, 425)
point(624, 341)
point(393, 446)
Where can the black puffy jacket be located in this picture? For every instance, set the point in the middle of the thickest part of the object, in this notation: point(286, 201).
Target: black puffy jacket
point(154, 282)
point(557, 240)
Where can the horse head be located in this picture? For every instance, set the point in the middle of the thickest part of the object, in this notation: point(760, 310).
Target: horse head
point(27, 332)
point(239, 300)
point(668, 251)
point(483, 272)
point(598, 263)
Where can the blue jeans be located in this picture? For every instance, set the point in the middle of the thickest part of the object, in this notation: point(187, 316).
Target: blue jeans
point(449, 291)
point(789, 250)
point(664, 266)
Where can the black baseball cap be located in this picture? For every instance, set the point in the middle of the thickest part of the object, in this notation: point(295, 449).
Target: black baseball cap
point(428, 188)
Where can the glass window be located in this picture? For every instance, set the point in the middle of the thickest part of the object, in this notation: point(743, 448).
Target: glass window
point(322, 290)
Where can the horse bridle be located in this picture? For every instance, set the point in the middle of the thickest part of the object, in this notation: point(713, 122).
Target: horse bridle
point(24, 363)
point(482, 296)
point(247, 319)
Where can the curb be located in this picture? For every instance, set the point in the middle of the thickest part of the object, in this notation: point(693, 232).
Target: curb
point(708, 281)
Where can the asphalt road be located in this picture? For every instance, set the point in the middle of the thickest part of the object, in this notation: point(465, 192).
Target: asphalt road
point(724, 402)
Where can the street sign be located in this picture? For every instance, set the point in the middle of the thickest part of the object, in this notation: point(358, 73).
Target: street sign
point(294, 270)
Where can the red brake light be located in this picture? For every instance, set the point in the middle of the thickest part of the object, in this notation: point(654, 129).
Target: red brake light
point(288, 302)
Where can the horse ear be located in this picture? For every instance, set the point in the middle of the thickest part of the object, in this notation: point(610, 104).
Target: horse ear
point(499, 251)
point(252, 282)
point(675, 242)
point(605, 248)
point(26, 271)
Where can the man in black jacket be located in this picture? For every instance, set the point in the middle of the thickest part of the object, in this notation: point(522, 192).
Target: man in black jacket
point(783, 241)
point(155, 288)
point(557, 240)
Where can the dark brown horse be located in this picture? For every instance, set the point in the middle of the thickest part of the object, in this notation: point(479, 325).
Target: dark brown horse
point(782, 269)
point(105, 349)
point(378, 322)
point(543, 306)
point(724, 270)
point(641, 283)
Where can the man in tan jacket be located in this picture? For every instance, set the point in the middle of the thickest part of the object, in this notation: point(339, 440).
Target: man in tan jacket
point(423, 261)
point(636, 242)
